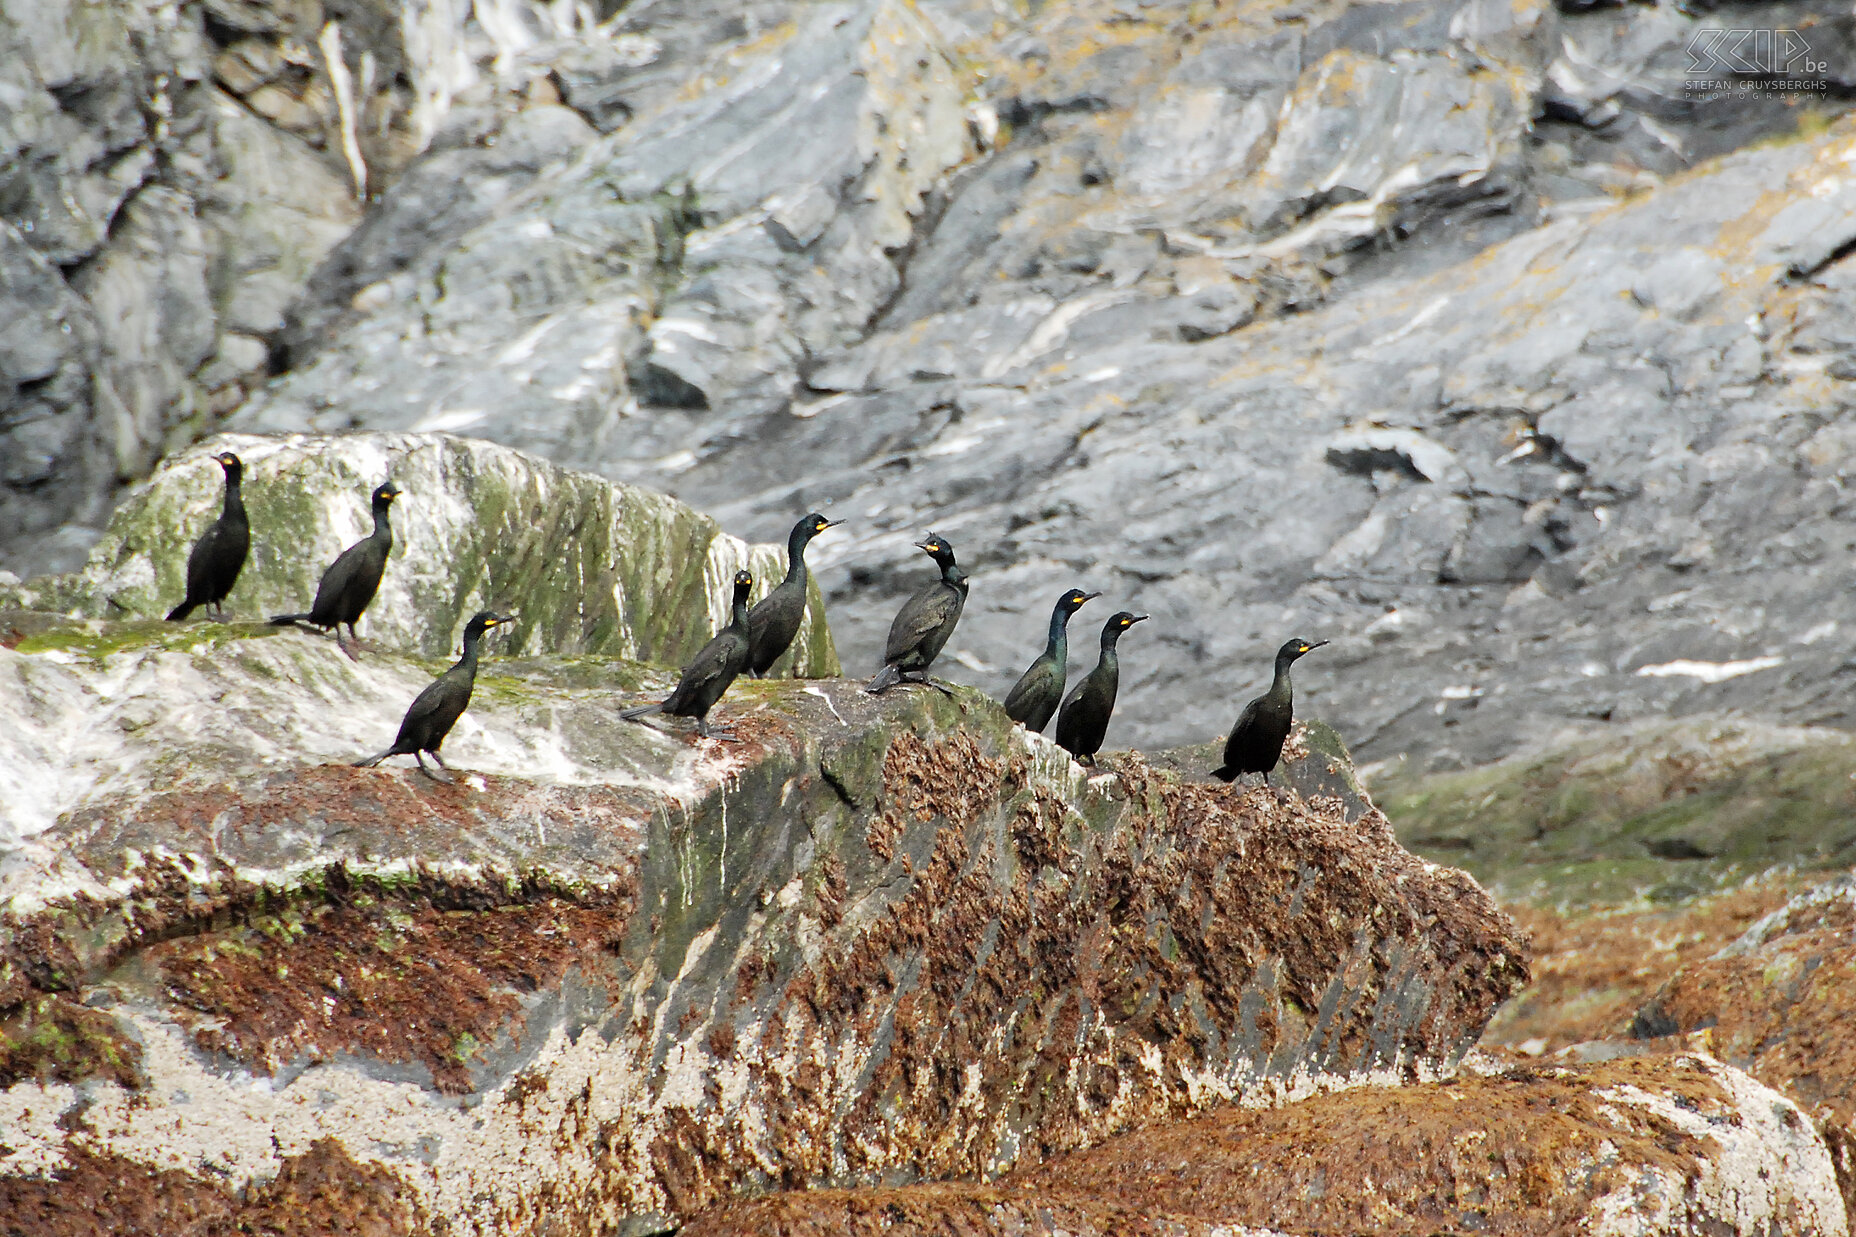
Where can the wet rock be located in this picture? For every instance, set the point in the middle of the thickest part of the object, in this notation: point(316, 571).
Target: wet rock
point(612, 976)
point(1668, 1147)
point(590, 566)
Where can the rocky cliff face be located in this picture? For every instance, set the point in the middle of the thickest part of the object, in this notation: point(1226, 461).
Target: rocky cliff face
point(1495, 341)
point(612, 976)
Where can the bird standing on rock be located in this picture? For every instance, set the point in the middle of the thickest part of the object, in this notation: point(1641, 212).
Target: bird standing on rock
point(351, 580)
point(924, 623)
point(219, 555)
point(1034, 698)
point(1083, 724)
point(711, 671)
point(444, 700)
point(1256, 741)
point(774, 622)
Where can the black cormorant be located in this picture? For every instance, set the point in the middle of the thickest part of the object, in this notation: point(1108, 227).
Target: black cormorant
point(710, 672)
point(1256, 741)
point(219, 555)
point(774, 622)
point(924, 623)
point(351, 580)
point(443, 701)
point(1033, 699)
point(1083, 723)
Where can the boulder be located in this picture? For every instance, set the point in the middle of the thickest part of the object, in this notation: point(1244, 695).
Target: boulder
point(612, 976)
point(1659, 1148)
point(1777, 1003)
point(591, 566)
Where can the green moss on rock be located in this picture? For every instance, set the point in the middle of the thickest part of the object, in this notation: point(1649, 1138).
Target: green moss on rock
point(590, 566)
point(1654, 815)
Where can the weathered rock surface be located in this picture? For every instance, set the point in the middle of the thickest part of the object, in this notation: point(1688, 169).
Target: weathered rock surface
point(589, 565)
point(1778, 1002)
point(1497, 342)
point(611, 977)
point(1424, 325)
point(1668, 1147)
point(171, 175)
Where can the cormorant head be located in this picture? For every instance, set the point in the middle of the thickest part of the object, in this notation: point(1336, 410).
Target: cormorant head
point(1295, 649)
point(1073, 600)
point(937, 548)
point(744, 580)
point(483, 620)
point(234, 468)
point(384, 494)
point(811, 527)
point(1118, 623)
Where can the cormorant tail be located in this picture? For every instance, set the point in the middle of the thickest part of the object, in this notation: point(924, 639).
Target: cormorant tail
point(632, 715)
point(369, 762)
point(180, 612)
point(885, 679)
point(285, 620)
point(1225, 773)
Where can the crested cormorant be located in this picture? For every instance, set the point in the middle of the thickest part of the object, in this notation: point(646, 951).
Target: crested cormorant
point(925, 621)
point(1033, 699)
point(774, 622)
point(1083, 723)
point(1256, 741)
point(710, 672)
point(351, 580)
point(443, 701)
point(219, 555)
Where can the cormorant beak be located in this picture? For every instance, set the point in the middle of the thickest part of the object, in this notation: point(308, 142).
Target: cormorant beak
point(1139, 618)
point(1317, 644)
point(829, 524)
point(1086, 597)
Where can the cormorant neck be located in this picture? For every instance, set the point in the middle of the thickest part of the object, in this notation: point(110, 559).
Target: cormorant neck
point(472, 638)
point(1280, 688)
point(1059, 631)
point(383, 528)
point(796, 553)
point(951, 572)
point(738, 614)
point(235, 499)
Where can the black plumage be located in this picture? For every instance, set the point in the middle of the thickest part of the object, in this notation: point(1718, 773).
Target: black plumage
point(219, 555)
point(438, 707)
point(352, 579)
point(925, 621)
point(1034, 698)
point(774, 621)
point(1083, 724)
point(1255, 744)
point(711, 671)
